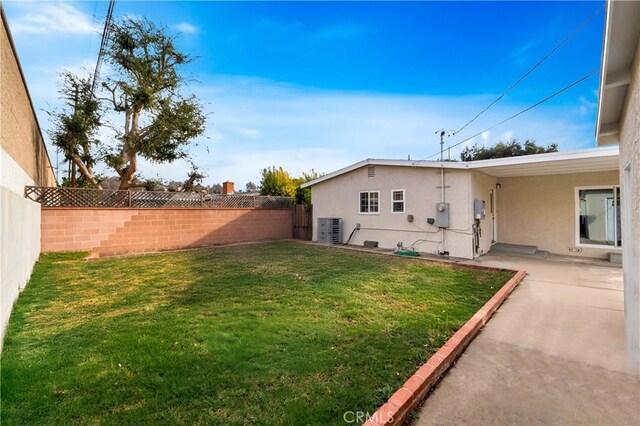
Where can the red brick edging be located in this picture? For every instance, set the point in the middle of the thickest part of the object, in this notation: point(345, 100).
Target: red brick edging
point(414, 390)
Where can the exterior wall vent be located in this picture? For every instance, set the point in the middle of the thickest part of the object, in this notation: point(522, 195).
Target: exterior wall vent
point(371, 171)
point(330, 230)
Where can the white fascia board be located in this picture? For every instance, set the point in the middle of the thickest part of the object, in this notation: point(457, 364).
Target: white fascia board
point(603, 65)
point(336, 173)
point(608, 151)
point(392, 163)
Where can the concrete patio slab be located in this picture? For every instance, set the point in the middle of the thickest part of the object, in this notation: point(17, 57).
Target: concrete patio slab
point(552, 354)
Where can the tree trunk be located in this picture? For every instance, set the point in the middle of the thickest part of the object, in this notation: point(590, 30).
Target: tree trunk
point(129, 171)
point(85, 171)
point(129, 153)
point(74, 181)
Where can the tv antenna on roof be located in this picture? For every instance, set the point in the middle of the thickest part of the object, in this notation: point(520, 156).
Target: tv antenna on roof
point(442, 132)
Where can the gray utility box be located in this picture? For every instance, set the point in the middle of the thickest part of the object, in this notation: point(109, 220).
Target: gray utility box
point(330, 230)
point(478, 209)
point(442, 215)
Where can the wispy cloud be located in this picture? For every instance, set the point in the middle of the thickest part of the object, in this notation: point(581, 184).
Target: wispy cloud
point(54, 18)
point(485, 137)
point(260, 123)
point(587, 106)
point(509, 135)
point(248, 133)
point(341, 31)
point(186, 28)
point(522, 55)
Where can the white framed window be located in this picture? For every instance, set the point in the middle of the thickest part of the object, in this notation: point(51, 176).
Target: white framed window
point(598, 216)
point(369, 202)
point(397, 201)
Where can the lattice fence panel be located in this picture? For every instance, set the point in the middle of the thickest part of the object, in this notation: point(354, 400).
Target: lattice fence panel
point(80, 197)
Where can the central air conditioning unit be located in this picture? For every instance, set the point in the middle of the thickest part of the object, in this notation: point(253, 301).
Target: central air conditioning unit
point(330, 230)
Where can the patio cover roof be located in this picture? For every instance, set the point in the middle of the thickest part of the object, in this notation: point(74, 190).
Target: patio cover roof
point(579, 161)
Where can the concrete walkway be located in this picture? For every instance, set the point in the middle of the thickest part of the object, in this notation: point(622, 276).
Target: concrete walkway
point(552, 354)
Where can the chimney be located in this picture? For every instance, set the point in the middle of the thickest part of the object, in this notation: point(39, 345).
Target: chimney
point(227, 188)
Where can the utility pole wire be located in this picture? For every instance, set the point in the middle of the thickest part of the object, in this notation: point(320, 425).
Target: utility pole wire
point(103, 46)
point(540, 62)
point(580, 80)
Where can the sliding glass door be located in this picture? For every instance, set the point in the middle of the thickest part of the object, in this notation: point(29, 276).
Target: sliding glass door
point(599, 216)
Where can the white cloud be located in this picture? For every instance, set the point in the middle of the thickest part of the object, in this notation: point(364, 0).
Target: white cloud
point(248, 133)
point(485, 137)
point(186, 28)
point(259, 123)
point(507, 136)
point(586, 106)
point(522, 54)
point(54, 18)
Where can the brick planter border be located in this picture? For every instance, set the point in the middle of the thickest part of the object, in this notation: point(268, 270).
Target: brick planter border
point(396, 410)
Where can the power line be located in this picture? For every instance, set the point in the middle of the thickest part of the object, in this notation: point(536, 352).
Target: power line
point(580, 80)
point(540, 62)
point(103, 45)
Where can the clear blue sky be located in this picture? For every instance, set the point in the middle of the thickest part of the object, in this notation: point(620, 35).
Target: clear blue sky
point(322, 85)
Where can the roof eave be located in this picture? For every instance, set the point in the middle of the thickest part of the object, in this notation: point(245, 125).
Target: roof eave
point(593, 153)
point(603, 68)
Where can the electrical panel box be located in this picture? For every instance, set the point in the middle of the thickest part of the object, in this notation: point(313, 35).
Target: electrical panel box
point(442, 215)
point(478, 209)
point(330, 230)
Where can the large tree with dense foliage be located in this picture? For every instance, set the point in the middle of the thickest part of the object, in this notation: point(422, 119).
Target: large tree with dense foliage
point(512, 148)
point(75, 126)
point(146, 89)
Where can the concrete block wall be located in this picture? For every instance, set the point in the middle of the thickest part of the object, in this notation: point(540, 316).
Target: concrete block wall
point(108, 232)
point(23, 161)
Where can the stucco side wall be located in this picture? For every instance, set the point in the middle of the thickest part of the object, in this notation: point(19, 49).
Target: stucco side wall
point(481, 187)
point(339, 197)
point(23, 161)
point(20, 137)
point(630, 177)
point(541, 211)
point(19, 235)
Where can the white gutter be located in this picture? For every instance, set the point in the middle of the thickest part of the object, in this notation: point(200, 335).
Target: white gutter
point(603, 65)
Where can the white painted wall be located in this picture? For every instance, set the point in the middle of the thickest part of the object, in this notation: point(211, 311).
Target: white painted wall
point(19, 235)
point(339, 197)
point(541, 211)
point(481, 187)
point(630, 179)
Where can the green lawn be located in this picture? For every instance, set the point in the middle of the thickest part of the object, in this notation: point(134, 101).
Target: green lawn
point(276, 333)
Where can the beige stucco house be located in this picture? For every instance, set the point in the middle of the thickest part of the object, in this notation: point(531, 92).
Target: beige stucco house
point(23, 161)
point(619, 124)
point(563, 203)
point(581, 203)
